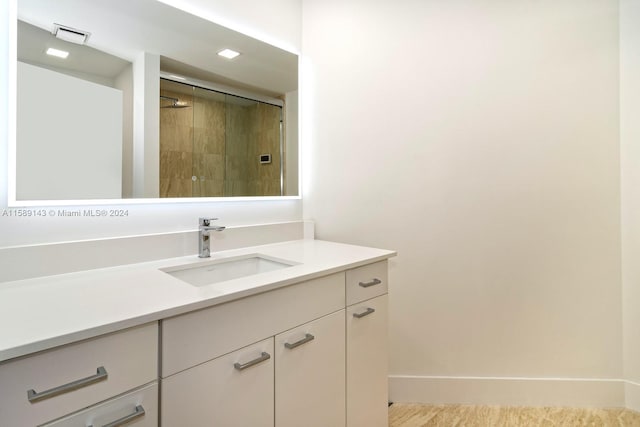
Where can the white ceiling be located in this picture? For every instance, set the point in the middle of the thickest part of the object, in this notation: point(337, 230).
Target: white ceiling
point(187, 43)
point(33, 42)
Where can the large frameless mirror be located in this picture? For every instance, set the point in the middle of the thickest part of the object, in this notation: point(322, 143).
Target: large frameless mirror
point(134, 102)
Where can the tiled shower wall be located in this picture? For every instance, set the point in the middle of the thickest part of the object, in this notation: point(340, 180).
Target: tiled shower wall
point(218, 143)
point(252, 130)
point(176, 147)
point(266, 180)
point(208, 147)
point(191, 144)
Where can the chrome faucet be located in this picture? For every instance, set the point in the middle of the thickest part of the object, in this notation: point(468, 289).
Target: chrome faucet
point(204, 246)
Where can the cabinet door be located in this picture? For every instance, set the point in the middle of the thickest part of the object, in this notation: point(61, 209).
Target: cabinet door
point(234, 390)
point(367, 363)
point(310, 374)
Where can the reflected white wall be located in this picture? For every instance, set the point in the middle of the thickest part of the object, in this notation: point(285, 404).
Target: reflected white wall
point(146, 126)
point(55, 158)
point(124, 82)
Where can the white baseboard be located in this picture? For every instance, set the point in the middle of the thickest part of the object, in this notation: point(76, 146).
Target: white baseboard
point(509, 391)
point(632, 395)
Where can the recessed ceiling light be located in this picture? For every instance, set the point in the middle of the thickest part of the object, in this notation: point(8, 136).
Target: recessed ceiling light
point(59, 53)
point(228, 53)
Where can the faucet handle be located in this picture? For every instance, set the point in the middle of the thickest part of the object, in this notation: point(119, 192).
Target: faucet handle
point(206, 221)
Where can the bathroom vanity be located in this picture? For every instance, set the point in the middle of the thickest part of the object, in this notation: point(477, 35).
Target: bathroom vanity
point(287, 334)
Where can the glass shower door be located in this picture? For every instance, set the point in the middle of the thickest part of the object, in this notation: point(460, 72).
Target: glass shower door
point(214, 144)
point(209, 113)
point(253, 148)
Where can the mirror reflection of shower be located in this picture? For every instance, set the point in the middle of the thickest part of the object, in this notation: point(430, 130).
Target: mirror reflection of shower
point(216, 144)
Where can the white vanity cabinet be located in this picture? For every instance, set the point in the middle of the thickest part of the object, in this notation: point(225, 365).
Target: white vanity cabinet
point(310, 354)
point(234, 390)
point(220, 366)
point(203, 335)
point(310, 374)
point(305, 346)
point(301, 379)
point(43, 387)
point(367, 354)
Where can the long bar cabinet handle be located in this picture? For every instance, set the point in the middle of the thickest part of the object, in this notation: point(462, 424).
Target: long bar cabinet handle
point(139, 412)
point(371, 283)
point(240, 366)
point(367, 312)
point(100, 375)
point(306, 339)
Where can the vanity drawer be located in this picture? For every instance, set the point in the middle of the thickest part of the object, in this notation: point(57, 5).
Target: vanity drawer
point(51, 384)
point(138, 408)
point(367, 282)
point(196, 337)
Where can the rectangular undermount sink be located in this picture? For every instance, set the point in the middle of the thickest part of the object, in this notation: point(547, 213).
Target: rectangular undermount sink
point(202, 274)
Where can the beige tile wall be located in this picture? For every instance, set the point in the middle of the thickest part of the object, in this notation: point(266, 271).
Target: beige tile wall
point(240, 123)
point(176, 147)
point(219, 143)
point(265, 179)
point(251, 131)
point(208, 147)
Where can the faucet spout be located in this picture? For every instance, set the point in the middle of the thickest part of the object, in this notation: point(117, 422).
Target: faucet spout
point(212, 228)
point(204, 239)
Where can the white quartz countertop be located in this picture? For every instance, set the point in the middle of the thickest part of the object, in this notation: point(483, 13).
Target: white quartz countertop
point(45, 312)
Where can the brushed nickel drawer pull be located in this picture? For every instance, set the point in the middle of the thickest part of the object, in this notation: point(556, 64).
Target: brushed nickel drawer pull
point(367, 312)
point(122, 421)
point(306, 339)
point(100, 375)
point(371, 283)
point(240, 366)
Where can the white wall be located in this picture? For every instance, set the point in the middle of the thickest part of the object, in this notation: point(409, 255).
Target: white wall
point(630, 155)
point(146, 125)
point(124, 82)
point(479, 139)
point(156, 218)
point(56, 160)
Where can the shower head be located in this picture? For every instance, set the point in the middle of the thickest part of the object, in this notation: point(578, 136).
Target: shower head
point(175, 102)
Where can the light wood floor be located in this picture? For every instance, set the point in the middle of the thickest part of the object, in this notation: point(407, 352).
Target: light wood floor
point(414, 415)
